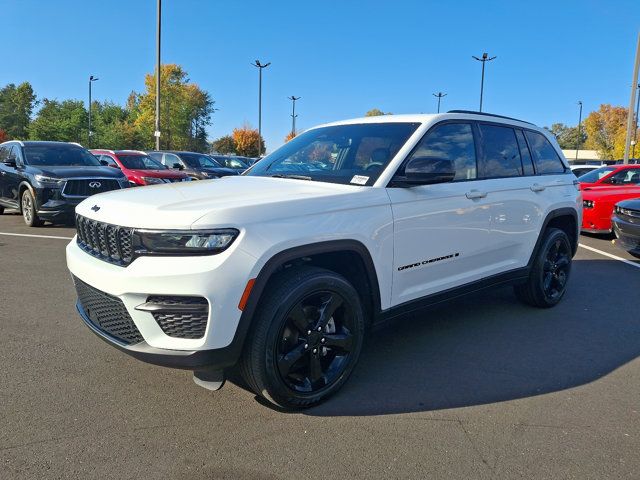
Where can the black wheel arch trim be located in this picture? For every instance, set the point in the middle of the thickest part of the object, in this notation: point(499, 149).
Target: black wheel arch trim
point(559, 212)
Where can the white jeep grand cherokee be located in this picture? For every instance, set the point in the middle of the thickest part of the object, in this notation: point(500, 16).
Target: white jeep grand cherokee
point(282, 270)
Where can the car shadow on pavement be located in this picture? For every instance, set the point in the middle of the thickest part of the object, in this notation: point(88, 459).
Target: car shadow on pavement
point(487, 347)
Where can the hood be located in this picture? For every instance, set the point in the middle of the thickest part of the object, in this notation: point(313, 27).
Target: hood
point(221, 171)
point(633, 204)
point(629, 191)
point(75, 172)
point(226, 202)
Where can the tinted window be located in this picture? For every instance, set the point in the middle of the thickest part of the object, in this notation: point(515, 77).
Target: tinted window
point(527, 161)
point(157, 156)
point(197, 160)
point(450, 141)
point(595, 175)
point(624, 177)
point(500, 155)
point(108, 159)
point(544, 155)
point(58, 155)
point(139, 162)
point(347, 154)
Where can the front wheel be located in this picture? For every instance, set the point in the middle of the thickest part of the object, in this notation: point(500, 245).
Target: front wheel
point(29, 212)
point(307, 337)
point(549, 274)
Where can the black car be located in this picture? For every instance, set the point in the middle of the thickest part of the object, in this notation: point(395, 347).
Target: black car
point(626, 225)
point(197, 165)
point(46, 180)
point(234, 162)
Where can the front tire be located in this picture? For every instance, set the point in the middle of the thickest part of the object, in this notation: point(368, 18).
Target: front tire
point(306, 340)
point(549, 274)
point(1, 209)
point(29, 212)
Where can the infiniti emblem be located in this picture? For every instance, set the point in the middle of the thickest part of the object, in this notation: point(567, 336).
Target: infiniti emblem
point(95, 184)
point(95, 208)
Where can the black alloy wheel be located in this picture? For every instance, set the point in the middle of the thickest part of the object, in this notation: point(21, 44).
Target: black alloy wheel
point(305, 339)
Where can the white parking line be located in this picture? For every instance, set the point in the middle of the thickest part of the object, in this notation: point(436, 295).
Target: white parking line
point(34, 236)
point(615, 257)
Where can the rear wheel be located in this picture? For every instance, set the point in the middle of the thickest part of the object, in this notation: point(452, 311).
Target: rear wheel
point(306, 340)
point(1, 209)
point(29, 213)
point(549, 274)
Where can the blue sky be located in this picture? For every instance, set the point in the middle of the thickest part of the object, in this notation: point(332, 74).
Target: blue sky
point(341, 57)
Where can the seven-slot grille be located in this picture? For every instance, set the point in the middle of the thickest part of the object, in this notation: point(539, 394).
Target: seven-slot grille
point(110, 243)
point(107, 313)
point(87, 187)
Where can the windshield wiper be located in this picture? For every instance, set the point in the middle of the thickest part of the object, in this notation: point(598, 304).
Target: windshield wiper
point(290, 175)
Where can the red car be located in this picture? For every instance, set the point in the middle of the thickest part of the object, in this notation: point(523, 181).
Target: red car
point(598, 203)
point(611, 176)
point(139, 167)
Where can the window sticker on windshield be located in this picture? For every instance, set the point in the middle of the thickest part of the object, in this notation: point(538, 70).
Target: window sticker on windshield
point(359, 179)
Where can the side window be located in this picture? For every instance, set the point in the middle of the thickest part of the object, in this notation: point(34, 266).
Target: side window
point(110, 161)
point(544, 155)
point(450, 141)
point(158, 156)
point(500, 155)
point(527, 161)
point(624, 177)
point(169, 159)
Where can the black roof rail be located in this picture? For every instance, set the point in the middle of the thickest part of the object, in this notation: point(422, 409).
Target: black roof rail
point(489, 115)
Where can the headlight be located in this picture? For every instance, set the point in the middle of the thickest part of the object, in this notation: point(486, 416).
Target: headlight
point(154, 180)
point(588, 203)
point(184, 242)
point(49, 181)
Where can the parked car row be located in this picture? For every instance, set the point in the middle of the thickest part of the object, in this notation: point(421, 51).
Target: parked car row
point(45, 181)
point(611, 204)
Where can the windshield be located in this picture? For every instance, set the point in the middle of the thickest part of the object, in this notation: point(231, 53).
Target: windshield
point(594, 175)
point(197, 160)
point(140, 162)
point(348, 154)
point(59, 156)
point(231, 162)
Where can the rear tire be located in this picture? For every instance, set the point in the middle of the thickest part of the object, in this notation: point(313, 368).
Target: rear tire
point(306, 338)
point(549, 274)
point(1, 209)
point(29, 212)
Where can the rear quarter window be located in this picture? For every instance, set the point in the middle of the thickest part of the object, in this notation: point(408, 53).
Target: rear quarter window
point(545, 157)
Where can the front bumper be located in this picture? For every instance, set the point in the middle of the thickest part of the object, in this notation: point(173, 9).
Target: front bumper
point(220, 279)
point(627, 234)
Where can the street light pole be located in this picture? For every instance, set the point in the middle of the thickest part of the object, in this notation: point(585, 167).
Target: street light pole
point(439, 95)
point(635, 132)
point(579, 130)
point(485, 58)
point(260, 66)
point(156, 133)
point(293, 99)
point(91, 80)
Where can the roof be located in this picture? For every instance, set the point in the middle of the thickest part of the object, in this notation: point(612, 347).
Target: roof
point(42, 142)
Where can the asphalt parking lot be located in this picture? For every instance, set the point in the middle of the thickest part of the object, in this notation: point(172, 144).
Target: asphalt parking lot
point(480, 388)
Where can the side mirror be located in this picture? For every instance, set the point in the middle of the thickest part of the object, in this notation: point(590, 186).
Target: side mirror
point(114, 165)
point(104, 163)
point(178, 166)
point(10, 162)
point(426, 171)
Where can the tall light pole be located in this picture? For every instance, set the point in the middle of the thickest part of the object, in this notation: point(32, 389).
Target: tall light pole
point(156, 132)
point(260, 66)
point(635, 131)
point(632, 100)
point(293, 99)
point(439, 95)
point(485, 58)
point(579, 141)
point(91, 80)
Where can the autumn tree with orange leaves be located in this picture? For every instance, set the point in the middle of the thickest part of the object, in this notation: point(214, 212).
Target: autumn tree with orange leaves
point(246, 140)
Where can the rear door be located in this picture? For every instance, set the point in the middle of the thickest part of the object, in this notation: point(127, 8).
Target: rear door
point(13, 175)
point(4, 155)
point(441, 232)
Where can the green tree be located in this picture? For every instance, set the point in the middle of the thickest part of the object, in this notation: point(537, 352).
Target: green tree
point(113, 128)
point(16, 107)
point(65, 121)
point(224, 145)
point(568, 136)
point(374, 112)
point(185, 111)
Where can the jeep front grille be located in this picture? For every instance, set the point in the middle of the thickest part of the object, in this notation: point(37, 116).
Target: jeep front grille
point(107, 313)
point(178, 316)
point(110, 243)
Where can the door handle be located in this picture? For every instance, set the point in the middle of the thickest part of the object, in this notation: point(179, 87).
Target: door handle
point(536, 187)
point(475, 194)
